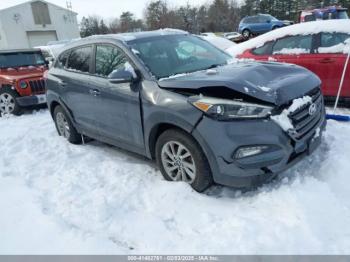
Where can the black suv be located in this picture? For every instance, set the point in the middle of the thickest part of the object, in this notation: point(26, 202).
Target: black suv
point(174, 97)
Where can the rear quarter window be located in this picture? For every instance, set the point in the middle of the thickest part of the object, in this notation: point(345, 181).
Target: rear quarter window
point(62, 60)
point(80, 59)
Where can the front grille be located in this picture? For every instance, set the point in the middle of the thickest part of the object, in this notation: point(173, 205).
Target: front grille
point(37, 86)
point(303, 121)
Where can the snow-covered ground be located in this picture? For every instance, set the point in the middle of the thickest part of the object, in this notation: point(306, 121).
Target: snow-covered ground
point(57, 198)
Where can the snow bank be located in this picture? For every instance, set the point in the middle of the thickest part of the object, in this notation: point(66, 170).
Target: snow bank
point(341, 26)
point(60, 199)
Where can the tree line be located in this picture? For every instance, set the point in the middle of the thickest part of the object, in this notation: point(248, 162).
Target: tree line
point(217, 16)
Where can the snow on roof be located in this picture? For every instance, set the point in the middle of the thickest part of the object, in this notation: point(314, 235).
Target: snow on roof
point(341, 26)
point(219, 42)
point(136, 35)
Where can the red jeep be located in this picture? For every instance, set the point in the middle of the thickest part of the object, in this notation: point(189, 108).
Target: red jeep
point(21, 80)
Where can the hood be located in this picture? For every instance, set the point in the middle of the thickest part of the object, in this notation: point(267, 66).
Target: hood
point(274, 83)
point(12, 74)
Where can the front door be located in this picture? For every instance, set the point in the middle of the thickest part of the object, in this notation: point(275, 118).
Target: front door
point(118, 106)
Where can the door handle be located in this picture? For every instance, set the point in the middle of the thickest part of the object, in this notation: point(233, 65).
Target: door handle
point(94, 92)
point(327, 61)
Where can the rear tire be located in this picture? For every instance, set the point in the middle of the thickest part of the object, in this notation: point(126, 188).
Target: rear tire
point(180, 158)
point(65, 126)
point(8, 102)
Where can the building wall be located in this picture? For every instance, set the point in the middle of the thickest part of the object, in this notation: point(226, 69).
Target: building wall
point(18, 20)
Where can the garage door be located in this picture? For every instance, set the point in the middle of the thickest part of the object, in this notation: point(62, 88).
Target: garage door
point(39, 38)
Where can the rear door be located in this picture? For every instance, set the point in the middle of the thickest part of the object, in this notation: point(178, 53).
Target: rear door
point(118, 105)
point(75, 83)
point(330, 62)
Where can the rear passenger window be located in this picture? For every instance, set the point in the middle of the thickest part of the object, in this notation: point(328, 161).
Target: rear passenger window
point(80, 59)
point(293, 45)
point(333, 42)
point(108, 59)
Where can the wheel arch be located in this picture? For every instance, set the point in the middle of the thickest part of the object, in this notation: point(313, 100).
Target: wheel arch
point(54, 103)
point(157, 130)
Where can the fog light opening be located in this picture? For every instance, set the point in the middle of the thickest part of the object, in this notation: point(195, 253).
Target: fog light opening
point(249, 151)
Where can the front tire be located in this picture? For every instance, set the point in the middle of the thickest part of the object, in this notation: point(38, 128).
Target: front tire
point(180, 158)
point(65, 126)
point(8, 102)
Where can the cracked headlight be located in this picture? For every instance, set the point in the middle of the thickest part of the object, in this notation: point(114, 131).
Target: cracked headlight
point(224, 109)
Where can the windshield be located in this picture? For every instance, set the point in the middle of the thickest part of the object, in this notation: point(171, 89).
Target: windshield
point(21, 59)
point(343, 15)
point(177, 54)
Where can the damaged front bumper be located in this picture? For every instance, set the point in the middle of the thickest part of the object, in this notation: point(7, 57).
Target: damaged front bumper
point(281, 151)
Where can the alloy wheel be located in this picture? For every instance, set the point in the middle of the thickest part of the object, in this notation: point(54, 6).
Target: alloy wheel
point(178, 162)
point(62, 125)
point(7, 103)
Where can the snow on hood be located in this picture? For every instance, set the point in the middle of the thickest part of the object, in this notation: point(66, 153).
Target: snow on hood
point(270, 82)
point(330, 26)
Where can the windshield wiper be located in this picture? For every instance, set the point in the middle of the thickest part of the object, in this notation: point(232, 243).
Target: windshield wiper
point(214, 66)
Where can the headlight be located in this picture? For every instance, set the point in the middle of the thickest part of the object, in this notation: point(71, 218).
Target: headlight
point(23, 84)
point(224, 109)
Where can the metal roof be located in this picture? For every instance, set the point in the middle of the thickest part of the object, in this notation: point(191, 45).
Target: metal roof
point(9, 51)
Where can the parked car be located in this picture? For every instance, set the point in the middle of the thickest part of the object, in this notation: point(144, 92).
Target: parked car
point(259, 24)
point(327, 13)
point(176, 98)
point(234, 37)
point(21, 80)
point(318, 46)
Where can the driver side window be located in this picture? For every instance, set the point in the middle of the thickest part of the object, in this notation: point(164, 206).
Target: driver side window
point(108, 59)
point(299, 44)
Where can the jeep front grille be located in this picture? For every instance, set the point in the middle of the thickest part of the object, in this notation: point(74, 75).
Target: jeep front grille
point(303, 121)
point(37, 86)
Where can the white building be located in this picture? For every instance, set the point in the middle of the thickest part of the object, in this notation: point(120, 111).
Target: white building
point(35, 23)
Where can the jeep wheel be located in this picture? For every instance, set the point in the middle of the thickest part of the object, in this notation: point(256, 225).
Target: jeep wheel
point(8, 103)
point(180, 158)
point(246, 33)
point(65, 127)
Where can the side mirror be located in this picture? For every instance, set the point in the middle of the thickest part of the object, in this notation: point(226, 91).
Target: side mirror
point(268, 21)
point(121, 76)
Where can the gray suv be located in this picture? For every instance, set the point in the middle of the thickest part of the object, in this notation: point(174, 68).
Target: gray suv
point(174, 97)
